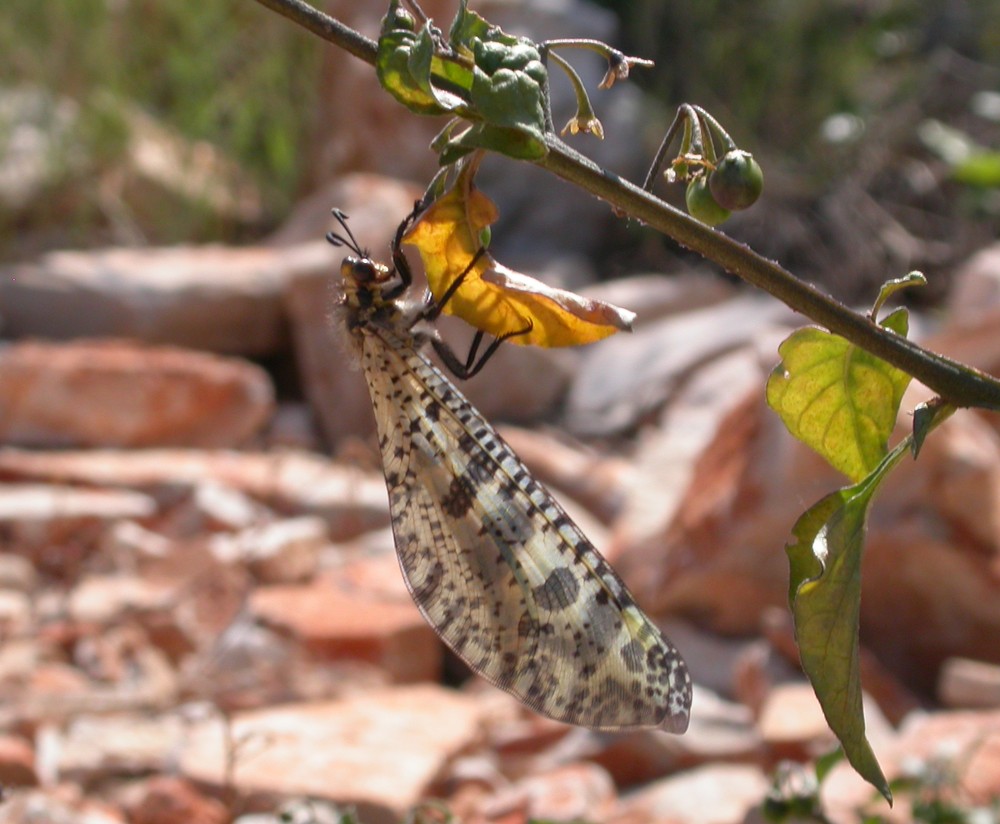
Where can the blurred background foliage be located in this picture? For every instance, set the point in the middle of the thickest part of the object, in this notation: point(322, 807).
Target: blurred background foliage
point(779, 68)
point(231, 74)
point(835, 97)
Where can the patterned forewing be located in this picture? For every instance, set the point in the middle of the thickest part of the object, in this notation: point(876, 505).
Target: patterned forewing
point(498, 568)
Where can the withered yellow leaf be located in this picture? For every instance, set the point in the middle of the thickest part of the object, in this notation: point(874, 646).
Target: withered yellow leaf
point(493, 298)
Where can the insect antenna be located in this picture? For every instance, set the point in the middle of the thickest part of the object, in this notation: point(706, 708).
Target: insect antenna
point(348, 241)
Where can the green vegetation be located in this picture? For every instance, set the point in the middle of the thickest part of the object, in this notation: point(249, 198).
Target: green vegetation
point(232, 74)
point(778, 69)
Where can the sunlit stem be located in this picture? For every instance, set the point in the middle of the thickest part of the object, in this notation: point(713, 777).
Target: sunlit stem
point(686, 117)
point(419, 12)
point(716, 130)
point(585, 119)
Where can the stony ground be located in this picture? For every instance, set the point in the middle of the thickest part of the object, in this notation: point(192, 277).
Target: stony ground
point(202, 618)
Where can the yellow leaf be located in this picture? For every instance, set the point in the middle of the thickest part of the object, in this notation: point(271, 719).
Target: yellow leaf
point(493, 298)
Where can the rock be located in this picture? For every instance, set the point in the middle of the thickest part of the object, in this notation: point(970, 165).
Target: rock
point(694, 535)
point(335, 621)
point(654, 297)
point(283, 552)
point(15, 613)
point(625, 378)
point(33, 504)
point(960, 469)
point(969, 684)
point(293, 426)
point(575, 792)
point(114, 393)
point(168, 800)
point(106, 598)
point(975, 287)
point(298, 811)
point(892, 695)
point(713, 794)
point(17, 763)
point(97, 747)
point(58, 526)
point(925, 599)
point(249, 666)
point(940, 751)
point(132, 544)
point(222, 508)
point(720, 730)
point(968, 741)
point(58, 805)
point(375, 204)
point(16, 572)
point(792, 722)
point(336, 750)
point(208, 298)
point(349, 499)
point(145, 680)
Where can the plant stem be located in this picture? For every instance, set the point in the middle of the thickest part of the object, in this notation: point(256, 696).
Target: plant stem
point(325, 27)
point(957, 383)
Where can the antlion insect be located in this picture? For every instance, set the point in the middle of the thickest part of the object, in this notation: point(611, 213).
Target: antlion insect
point(495, 565)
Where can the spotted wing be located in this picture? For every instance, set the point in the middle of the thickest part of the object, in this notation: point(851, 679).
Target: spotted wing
point(498, 568)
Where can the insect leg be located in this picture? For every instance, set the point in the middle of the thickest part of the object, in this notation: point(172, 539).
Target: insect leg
point(471, 367)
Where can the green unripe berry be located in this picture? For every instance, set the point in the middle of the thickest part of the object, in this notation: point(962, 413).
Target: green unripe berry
point(701, 205)
point(737, 181)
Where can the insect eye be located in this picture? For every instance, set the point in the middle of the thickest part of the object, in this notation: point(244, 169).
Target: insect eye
point(360, 270)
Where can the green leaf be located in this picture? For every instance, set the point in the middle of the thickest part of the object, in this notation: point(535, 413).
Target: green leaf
point(392, 65)
point(494, 80)
point(467, 24)
point(403, 65)
point(926, 416)
point(508, 98)
point(836, 398)
point(511, 142)
point(890, 287)
point(980, 168)
point(825, 597)
point(410, 68)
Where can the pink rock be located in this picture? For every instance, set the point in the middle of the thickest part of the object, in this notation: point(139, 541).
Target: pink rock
point(115, 393)
point(208, 298)
point(713, 794)
point(282, 552)
point(349, 499)
point(575, 792)
point(17, 762)
point(338, 750)
point(168, 800)
point(925, 599)
point(338, 621)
